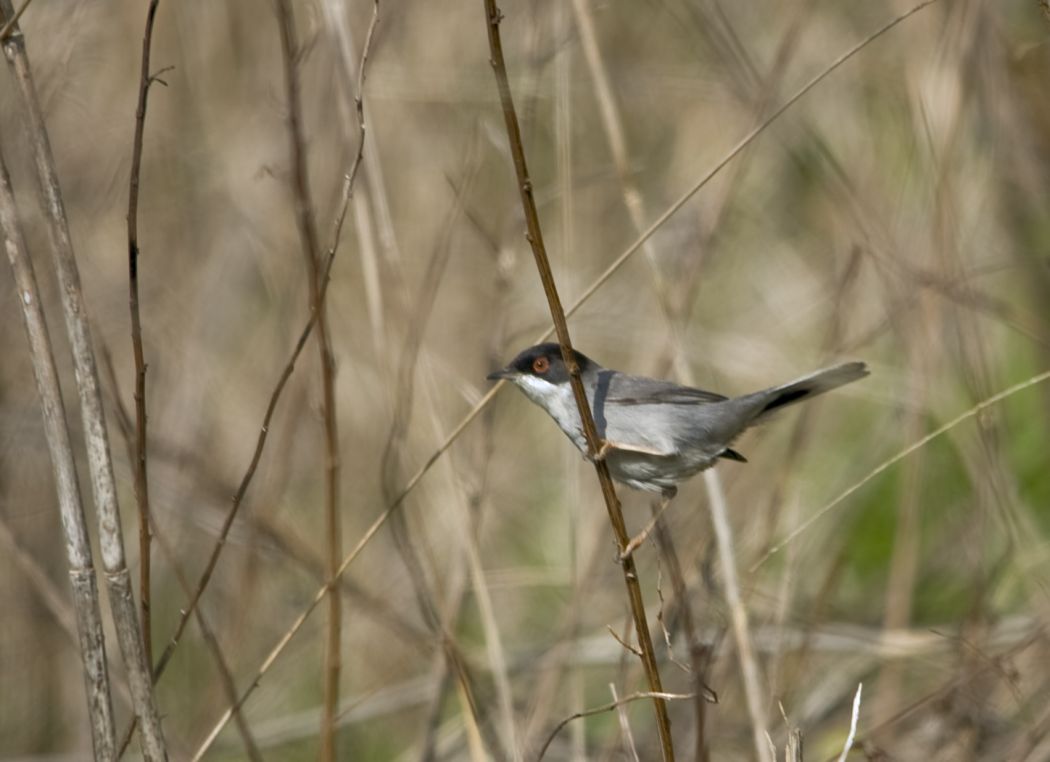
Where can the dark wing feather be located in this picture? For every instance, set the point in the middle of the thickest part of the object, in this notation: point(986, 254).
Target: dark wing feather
point(624, 392)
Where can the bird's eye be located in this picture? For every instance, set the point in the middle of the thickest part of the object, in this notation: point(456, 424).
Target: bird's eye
point(541, 365)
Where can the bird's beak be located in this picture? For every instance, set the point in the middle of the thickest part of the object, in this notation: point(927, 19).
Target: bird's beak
point(506, 374)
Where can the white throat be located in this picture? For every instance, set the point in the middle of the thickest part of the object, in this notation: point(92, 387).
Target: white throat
point(560, 404)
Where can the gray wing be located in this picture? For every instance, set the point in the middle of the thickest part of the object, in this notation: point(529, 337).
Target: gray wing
point(638, 390)
point(647, 415)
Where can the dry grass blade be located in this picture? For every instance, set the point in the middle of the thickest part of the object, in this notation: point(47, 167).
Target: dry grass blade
point(854, 717)
point(608, 708)
point(982, 405)
point(317, 277)
point(738, 613)
point(625, 725)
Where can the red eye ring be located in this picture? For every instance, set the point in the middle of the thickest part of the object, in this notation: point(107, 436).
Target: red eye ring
point(541, 365)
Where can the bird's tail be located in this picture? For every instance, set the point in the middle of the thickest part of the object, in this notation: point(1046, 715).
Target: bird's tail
point(806, 387)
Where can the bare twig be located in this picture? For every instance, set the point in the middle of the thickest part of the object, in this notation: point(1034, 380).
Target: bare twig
point(337, 19)
point(612, 503)
point(627, 646)
point(608, 708)
point(311, 250)
point(260, 443)
point(12, 20)
point(359, 105)
point(337, 227)
point(641, 537)
point(139, 459)
point(74, 526)
point(96, 437)
point(793, 753)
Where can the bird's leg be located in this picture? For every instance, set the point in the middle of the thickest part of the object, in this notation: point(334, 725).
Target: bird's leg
point(642, 536)
point(603, 452)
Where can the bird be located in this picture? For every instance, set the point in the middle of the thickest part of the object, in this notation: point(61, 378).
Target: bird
point(655, 434)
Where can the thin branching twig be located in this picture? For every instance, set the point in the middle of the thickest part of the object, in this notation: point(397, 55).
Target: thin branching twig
point(337, 227)
point(139, 459)
point(608, 708)
point(271, 407)
point(311, 250)
point(612, 503)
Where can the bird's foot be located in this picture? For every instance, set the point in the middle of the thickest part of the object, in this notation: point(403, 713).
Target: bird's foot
point(601, 455)
point(636, 542)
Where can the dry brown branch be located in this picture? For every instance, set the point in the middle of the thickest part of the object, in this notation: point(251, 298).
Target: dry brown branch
point(311, 250)
point(373, 197)
point(139, 459)
point(74, 526)
point(612, 503)
point(275, 395)
point(96, 437)
point(608, 708)
point(359, 105)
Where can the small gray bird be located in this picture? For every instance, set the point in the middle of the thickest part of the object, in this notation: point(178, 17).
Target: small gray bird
point(656, 433)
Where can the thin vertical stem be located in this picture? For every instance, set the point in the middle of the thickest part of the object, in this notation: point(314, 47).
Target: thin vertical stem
point(315, 272)
point(612, 503)
point(141, 483)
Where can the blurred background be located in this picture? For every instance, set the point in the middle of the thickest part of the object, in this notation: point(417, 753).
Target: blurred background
point(896, 214)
